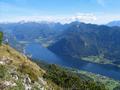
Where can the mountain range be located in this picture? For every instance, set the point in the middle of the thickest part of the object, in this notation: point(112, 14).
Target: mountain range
point(95, 43)
point(82, 40)
point(75, 39)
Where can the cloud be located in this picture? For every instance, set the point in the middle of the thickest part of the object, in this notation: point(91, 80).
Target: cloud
point(82, 17)
point(99, 18)
point(86, 17)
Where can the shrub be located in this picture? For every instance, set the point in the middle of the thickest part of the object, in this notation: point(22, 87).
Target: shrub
point(117, 88)
point(1, 37)
point(2, 71)
point(27, 69)
point(69, 80)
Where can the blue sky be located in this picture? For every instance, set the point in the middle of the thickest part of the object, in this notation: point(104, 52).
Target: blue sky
point(89, 11)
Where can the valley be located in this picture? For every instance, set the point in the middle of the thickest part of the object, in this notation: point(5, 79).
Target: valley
point(92, 50)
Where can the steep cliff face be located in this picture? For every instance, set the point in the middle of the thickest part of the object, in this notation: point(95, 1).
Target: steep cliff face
point(17, 72)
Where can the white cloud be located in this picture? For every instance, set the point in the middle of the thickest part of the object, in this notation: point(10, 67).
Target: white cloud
point(82, 17)
point(85, 17)
point(105, 18)
point(100, 18)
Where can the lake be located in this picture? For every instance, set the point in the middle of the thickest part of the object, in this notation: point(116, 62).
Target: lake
point(40, 53)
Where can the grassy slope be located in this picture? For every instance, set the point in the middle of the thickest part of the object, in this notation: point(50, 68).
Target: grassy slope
point(16, 61)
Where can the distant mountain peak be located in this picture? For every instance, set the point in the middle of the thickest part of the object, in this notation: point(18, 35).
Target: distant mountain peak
point(114, 23)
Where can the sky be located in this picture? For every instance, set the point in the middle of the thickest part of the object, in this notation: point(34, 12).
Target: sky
point(64, 11)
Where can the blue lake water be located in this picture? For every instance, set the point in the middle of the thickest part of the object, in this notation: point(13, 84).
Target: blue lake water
point(40, 53)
